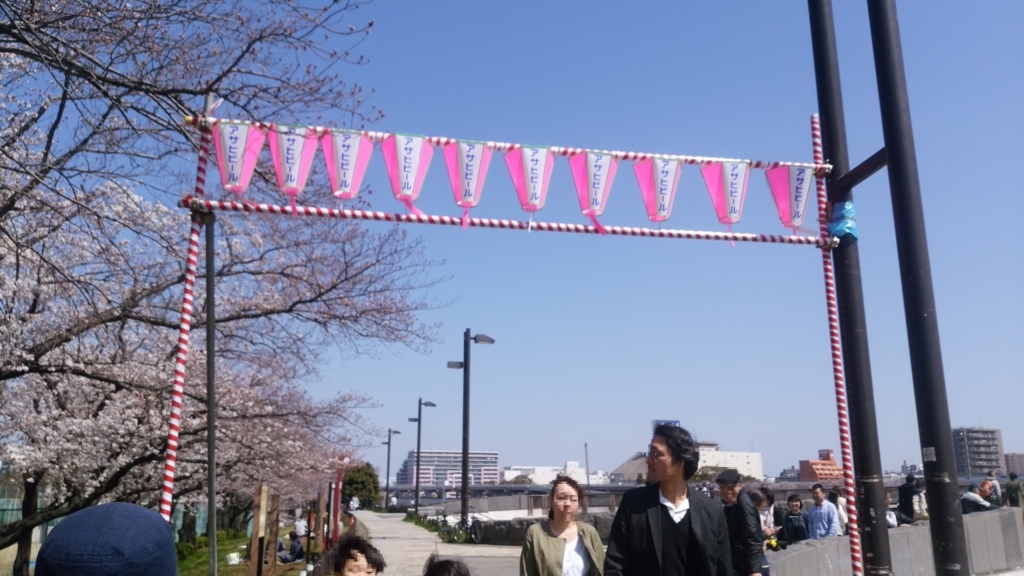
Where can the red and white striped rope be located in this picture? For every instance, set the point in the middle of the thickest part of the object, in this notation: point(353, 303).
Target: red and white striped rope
point(185, 328)
point(207, 205)
point(837, 360)
point(818, 167)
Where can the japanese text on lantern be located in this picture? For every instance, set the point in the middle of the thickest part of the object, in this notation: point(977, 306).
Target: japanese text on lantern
point(596, 181)
point(291, 160)
point(346, 160)
point(734, 189)
point(469, 176)
point(535, 175)
point(798, 195)
point(407, 162)
point(234, 159)
point(664, 185)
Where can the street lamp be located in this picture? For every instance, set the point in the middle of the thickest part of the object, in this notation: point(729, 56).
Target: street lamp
point(419, 431)
point(387, 478)
point(464, 366)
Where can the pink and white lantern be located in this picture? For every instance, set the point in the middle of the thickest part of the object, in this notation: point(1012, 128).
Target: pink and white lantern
point(727, 185)
point(658, 179)
point(347, 153)
point(238, 146)
point(791, 187)
point(530, 168)
point(593, 173)
point(292, 148)
point(467, 168)
point(407, 158)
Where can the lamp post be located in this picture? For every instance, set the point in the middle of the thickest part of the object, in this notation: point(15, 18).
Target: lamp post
point(419, 435)
point(464, 366)
point(336, 507)
point(387, 476)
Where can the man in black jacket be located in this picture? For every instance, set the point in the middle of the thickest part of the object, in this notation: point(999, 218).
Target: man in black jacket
point(907, 492)
point(744, 523)
point(666, 529)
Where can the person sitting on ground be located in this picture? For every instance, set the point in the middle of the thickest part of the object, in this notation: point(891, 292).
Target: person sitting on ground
point(823, 517)
point(355, 556)
point(895, 518)
point(109, 540)
point(794, 527)
point(972, 501)
point(295, 553)
point(562, 546)
point(437, 567)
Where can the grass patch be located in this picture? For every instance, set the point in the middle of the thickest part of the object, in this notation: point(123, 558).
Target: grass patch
point(198, 564)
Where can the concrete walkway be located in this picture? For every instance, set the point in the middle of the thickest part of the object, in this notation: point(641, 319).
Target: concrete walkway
point(406, 547)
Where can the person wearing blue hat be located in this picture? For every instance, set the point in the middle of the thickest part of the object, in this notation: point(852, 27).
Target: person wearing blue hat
point(971, 501)
point(115, 539)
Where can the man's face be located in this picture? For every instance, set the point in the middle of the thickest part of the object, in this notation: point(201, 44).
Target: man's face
point(819, 496)
point(730, 492)
point(357, 566)
point(794, 506)
point(659, 462)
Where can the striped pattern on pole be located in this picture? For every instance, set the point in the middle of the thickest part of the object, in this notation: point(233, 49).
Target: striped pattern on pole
point(837, 360)
point(818, 167)
point(207, 205)
point(174, 426)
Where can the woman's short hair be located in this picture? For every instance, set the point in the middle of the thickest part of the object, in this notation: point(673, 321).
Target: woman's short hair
point(681, 446)
point(568, 481)
point(795, 498)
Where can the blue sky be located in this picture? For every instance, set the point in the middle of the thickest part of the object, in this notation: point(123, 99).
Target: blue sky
point(597, 336)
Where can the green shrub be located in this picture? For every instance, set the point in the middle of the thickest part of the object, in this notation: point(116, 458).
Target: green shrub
point(202, 542)
point(222, 535)
point(184, 550)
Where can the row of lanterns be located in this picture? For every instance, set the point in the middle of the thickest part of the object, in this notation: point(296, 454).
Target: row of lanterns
point(407, 157)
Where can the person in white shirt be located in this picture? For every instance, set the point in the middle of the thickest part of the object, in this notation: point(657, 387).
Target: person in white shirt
point(301, 527)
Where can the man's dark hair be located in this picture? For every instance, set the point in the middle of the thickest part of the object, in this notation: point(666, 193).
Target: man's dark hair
point(910, 478)
point(681, 447)
point(756, 498)
point(293, 535)
point(568, 481)
point(437, 567)
point(817, 487)
point(350, 545)
point(795, 498)
point(1013, 475)
point(768, 495)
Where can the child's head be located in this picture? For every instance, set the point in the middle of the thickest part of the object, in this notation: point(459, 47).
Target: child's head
point(357, 557)
point(438, 567)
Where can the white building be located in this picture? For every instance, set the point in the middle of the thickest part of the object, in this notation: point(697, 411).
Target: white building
point(547, 474)
point(746, 463)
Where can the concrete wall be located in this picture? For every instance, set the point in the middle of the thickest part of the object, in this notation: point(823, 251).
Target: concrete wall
point(995, 543)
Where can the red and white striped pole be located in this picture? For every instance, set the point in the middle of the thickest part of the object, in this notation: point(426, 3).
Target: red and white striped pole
point(174, 426)
point(837, 356)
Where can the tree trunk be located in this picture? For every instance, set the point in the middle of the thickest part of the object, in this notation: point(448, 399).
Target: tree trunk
point(29, 506)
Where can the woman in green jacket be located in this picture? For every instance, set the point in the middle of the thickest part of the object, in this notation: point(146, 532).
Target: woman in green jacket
point(561, 546)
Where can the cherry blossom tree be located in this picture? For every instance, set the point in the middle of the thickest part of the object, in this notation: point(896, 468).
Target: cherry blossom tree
point(93, 158)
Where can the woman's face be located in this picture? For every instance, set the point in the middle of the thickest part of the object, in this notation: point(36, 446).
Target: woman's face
point(566, 503)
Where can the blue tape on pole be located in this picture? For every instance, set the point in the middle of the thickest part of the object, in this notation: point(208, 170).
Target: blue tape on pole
point(844, 220)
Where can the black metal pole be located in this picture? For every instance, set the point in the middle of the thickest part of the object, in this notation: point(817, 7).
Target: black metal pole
point(419, 432)
point(949, 546)
point(387, 475)
point(465, 426)
point(211, 393)
point(853, 333)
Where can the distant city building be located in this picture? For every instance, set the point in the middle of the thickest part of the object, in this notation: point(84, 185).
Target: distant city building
point(824, 468)
point(746, 463)
point(445, 466)
point(911, 469)
point(791, 474)
point(977, 451)
point(1014, 463)
point(547, 474)
point(627, 472)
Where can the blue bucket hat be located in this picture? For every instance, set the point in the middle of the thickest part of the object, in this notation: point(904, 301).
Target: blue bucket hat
point(115, 539)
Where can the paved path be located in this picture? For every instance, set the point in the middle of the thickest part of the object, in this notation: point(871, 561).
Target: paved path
point(406, 547)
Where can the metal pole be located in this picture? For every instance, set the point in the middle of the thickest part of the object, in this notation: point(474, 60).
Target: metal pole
point(586, 460)
point(867, 459)
point(949, 546)
point(419, 431)
point(211, 383)
point(465, 426)
point(387, 475)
